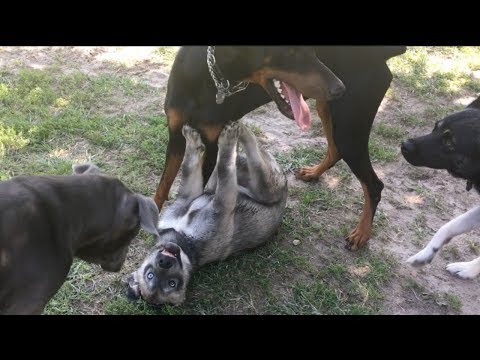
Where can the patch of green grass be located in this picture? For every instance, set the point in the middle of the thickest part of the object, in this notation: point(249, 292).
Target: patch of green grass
point(391, 132)
point(257, 130)
point(76, 289)
point(10, 140)
point(474, 247)
point(419, 226)
point(453, 301)
point(167, 53)
point(300, 156)
point(435, 71)
point(412, 120)
point(333, 291)
point(381, 152)
point(411, 283)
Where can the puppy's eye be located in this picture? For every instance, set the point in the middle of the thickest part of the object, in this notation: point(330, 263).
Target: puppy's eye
point(172, 283)
point(150, 275)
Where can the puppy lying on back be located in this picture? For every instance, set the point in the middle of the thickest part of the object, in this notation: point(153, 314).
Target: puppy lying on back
point(240, 208)
point(454, 145)
point(46, 221)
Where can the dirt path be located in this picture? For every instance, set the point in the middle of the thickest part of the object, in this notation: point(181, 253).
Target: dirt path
point(411, 218)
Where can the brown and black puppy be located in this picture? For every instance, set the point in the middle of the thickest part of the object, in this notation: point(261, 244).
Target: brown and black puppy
point(453, 145)
point(46, 221)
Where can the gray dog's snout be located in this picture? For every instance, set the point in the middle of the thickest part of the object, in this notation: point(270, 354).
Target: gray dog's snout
point(164, 261)
point(408, 147)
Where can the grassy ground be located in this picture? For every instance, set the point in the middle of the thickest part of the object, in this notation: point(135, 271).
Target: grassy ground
point(54, 116)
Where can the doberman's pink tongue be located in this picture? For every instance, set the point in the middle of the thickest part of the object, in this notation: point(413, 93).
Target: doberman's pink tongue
point(300, 109)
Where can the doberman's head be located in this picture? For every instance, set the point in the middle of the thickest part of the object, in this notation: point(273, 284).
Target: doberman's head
point(453, 145)
point(285, 72)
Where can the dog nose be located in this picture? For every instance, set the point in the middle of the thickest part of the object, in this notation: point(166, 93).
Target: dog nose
point(408, 147)
point(164, 261)
point(337, 91)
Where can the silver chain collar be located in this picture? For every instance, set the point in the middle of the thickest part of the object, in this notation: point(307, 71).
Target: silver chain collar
point(223, 85)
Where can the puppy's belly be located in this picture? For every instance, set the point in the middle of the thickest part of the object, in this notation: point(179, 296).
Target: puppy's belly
point(182, 222)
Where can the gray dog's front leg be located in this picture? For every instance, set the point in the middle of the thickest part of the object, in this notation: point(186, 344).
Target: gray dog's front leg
point(191, 185)
point(226, 191)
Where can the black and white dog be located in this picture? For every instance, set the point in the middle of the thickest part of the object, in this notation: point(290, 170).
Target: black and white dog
point(240, 208)
point(454, 145)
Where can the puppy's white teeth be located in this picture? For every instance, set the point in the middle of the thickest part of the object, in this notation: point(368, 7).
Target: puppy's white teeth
point(276, 83)
point(282, 96)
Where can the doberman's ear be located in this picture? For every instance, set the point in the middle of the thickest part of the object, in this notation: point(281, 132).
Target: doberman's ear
point(85, 169)
point(148, 213)
point(475, 104)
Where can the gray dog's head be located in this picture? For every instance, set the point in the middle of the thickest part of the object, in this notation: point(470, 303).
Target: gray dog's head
point(163, 276)
point(109, 247)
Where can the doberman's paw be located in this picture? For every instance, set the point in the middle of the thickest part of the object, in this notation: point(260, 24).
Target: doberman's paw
point(307, 173)
point(357, 239)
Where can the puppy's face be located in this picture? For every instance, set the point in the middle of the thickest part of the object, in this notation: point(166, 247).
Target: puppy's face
point(454, 145)
point(162, 278)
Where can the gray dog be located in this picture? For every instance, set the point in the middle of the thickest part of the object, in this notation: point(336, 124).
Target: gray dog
point(240, 208)
point(46, 221)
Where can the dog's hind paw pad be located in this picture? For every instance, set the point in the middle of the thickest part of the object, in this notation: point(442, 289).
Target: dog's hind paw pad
point(464, 270)
point(230, 132)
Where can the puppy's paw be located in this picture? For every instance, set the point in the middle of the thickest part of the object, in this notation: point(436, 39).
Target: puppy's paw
point(421, 258)
point(193, 138)
point(464, 270)
point(229, 133)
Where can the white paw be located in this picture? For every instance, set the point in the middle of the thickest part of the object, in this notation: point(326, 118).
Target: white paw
point(464, 270)
point(193, 138)
point(229, 133)
point(421, 258)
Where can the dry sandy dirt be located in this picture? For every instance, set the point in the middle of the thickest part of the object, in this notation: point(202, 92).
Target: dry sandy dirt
point(402, 206)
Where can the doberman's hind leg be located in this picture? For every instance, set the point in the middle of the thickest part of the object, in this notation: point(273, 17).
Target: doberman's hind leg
point(372, 188)
point(314, 172)
point(174, 156)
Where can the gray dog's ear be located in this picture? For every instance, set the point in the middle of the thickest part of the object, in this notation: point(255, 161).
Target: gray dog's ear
point(475, 104)
point(148, 212)
point(85, 169)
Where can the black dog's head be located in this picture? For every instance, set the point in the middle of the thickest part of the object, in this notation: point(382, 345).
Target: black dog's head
point(162, 277)
point(454, 145)
point(285, 72)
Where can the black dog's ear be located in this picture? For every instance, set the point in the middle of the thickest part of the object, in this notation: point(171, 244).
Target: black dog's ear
point(475, 104)
point(148, 213)
point(85, 169)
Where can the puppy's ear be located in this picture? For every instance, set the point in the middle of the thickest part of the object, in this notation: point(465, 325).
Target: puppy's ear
point(85, 169)
point(475, 104)
point(148, 213)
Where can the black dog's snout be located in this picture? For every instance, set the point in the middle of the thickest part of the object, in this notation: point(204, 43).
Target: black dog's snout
point(408, 147)
point(164, 261)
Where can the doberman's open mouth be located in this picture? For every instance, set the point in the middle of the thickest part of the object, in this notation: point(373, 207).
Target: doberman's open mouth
point(290, 102)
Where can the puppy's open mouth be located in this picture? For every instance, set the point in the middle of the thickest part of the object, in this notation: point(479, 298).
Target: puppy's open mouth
point(290, 102)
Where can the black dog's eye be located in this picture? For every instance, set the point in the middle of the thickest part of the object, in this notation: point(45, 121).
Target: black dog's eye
point(150, 275)
point(447, 139)
point(172, 283)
